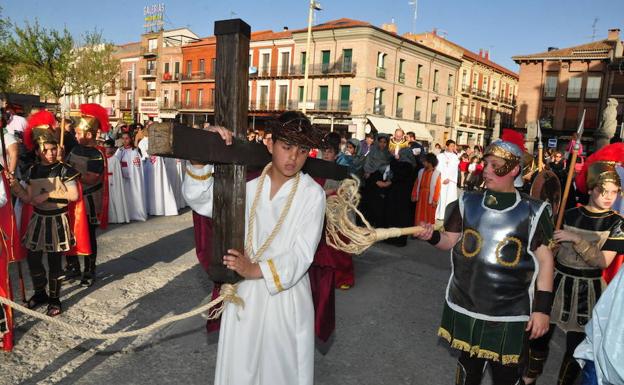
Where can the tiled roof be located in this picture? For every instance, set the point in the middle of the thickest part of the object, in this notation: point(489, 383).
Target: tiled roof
point(595, 50)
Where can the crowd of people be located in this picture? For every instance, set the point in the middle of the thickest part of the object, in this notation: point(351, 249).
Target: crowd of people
point(515, 276)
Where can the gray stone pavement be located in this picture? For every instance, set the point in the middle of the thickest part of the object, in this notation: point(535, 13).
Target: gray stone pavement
point(385, 332)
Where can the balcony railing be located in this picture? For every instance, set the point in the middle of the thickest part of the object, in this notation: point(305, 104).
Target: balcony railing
point(197, 76)
point(402, 78)
point(111, 90)
point(434, 118)
point(550, 93)
point(124, 104)
point(149, 72)
point(447, 121)
point(465, 89)
point(147, 93)
point(379, 109)
point(399, 112)
point(322, 105)
point(480, 93)
point(473, 120)
point(419, 83)
point(327, 69)
point(268, 105)
point(146, 52)
point(381, 72)
point(170, 78)
point(169, 105)
point(417, 115)
point(204, 105)
point(125, 84)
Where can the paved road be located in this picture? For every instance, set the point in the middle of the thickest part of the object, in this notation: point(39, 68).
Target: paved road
point(386, 324)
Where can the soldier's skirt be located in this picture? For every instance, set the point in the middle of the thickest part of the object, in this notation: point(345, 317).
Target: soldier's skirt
point(49, 233)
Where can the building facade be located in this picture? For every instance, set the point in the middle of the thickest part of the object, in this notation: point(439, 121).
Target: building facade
point(485, 89)
point(558, 85)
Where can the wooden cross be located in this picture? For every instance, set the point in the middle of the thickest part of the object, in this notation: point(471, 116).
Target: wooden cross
point(231, 162)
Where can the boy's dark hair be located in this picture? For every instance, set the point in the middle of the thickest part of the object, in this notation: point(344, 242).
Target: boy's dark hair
point(449, 142)
point(295, 128)
point(331, 141)
point(369, 135)
point(432, 159)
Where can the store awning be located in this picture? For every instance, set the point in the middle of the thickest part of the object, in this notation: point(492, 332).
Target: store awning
point(388, 126)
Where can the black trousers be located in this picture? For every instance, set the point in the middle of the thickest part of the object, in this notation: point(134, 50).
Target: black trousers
point(470, 371)
point(89, 266)
point(38, 272)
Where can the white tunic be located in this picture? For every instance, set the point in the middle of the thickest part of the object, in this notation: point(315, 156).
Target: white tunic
point(159, 196)
point(117, 205)
point(198, 193)
point(448, 165)
point(175, 173)
point(133, 182)
point(3, 193)
point(271, 340)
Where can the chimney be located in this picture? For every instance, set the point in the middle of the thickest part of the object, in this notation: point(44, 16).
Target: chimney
point(480, 52)
point(487, 54)
point(435, 32)
point(552, 49)
point(285, 28)
point(614, 34)
point(389, 27)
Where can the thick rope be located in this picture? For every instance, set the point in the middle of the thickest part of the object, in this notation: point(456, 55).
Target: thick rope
point(227, 294)
point(343, 233)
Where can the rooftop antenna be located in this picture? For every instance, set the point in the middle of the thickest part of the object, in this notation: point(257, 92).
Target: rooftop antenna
point(414, 3)
point(594, 28)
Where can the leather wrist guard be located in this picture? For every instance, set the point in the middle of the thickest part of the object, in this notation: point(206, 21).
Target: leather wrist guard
point(543, 301)
point(435, 238)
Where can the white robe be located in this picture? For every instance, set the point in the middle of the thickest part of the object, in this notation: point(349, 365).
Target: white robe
point(448, 165)
point(175, 173)
point(158, 192)
point(271, 340)
point(133, 182)
point(117, 205)
point(198, 193)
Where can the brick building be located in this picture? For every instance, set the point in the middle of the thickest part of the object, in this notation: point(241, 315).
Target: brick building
point(484, 89)
point(558, 84)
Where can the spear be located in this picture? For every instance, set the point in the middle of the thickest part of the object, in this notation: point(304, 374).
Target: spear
point(20, 274)
point(566, 191)
point(540, 148)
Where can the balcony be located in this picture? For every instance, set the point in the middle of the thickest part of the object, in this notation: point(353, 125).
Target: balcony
point(509, 101)
point(197, 76)
point(268, 105)
point(402, 78)
point(381, 72)
point(146, 52)
point(335, 69)
point(473, 120)
point(465, 89)
point(447, 121)
point(148, 72)
point(417, 115)
point(434, 118)
point(207, 105)
point(147, 93)
point(336, 106)
point(399, 112)
point(480, 93)
point(551, 93)
point(169, 105)
point(110, 90)
point(379, 109)
point(125, 84)
point(419, 83)
point(171, 78)
point(124, 104)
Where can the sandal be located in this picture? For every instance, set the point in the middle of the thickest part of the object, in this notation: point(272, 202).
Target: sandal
point(54, 309)
point(39, 298)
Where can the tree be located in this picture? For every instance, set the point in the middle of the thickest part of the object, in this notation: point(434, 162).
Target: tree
point(7, 59)
point(94, 67)
point(44, 57)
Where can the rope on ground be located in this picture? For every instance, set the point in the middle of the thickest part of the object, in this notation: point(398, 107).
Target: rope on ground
point(342, 231)
point(227, 294)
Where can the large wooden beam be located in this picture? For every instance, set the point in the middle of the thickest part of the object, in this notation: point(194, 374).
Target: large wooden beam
point(179, 141)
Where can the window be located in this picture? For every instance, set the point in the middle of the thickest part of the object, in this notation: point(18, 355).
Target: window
point(129, 78)
point(494, 87)
point(284, 62)
point(325, 61)
point(399, 105)
point(464, 79)
point(450, 84)
point(187, 99)
point(200, 97)
point(264, 95)
point(550, 88)
point(266, 60)
point(347, 60)
point(447, 114)
point(574, 88)
point(417, 108)
point(435, 80)
point(345, 95)
point(381, 62)
point(300, 94)
point(152, 45)
point(401, 69)
point(283, 96)
point(419, 81)
point(434, 115)
point(378, 107)
point(546, 118)
point(202, 66)
point(323, 93)
point(166, 68)
point(176, 96)
point(176, 67)
point(593, 87)
point(189, 68)
point(571, 117)
point(303, 62)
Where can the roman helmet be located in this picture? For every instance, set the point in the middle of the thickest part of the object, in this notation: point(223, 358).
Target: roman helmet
point(510, 148)
point(41, 129)
point(599, 168)
point(93, 118)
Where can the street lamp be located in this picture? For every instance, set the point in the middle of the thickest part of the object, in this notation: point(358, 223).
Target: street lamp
point(314, 5)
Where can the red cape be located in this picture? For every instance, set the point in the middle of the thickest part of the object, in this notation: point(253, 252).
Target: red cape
point(609, 273)
point(7, 240)
point(103, 215)
point(78, 222)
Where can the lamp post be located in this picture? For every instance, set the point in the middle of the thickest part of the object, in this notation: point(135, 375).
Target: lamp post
point(313, 6)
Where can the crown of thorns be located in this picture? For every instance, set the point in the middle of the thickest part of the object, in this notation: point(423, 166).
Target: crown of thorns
point(298, 131)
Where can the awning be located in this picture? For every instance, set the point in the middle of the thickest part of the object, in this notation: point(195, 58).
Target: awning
point(388, 126)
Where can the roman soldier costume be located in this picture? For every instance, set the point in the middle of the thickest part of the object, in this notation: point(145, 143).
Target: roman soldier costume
point(90, 160)
point(48, 228)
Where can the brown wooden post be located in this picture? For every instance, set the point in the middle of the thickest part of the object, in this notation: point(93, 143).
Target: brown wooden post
point(231, 100)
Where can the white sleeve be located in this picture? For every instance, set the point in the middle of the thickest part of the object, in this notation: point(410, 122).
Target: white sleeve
point(3, 194)
point(197, 189)
point(284, 270)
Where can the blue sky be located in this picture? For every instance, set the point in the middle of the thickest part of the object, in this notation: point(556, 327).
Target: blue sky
point(504, 27)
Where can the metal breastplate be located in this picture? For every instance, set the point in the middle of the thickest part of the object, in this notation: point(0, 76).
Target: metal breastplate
point(493, 269)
